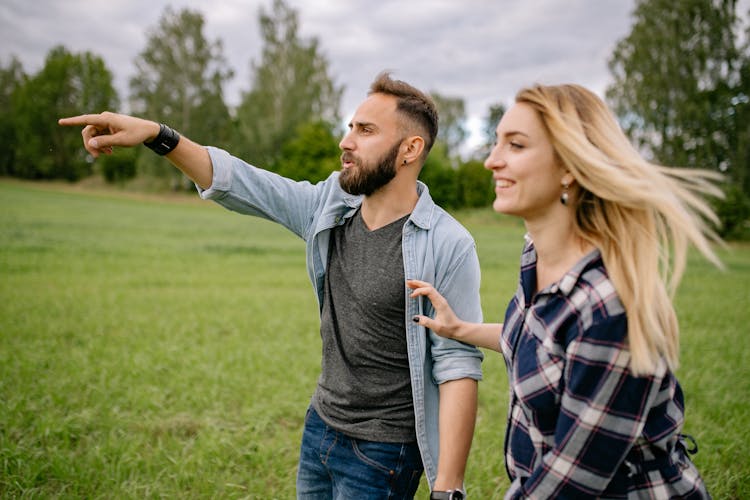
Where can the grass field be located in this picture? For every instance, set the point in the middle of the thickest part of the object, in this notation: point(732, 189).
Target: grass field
point(164, 347)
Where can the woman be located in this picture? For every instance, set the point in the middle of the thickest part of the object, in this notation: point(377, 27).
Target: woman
point(591, 337)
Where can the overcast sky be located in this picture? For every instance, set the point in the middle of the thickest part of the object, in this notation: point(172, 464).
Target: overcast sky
point(479, 50)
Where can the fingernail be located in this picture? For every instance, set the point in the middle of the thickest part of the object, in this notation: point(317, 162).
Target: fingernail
point(94, 143)
point(415, 319)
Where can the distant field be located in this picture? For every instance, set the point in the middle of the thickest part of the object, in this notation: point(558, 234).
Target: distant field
point(165, 347)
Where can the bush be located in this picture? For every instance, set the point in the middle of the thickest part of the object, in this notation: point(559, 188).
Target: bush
point(475, 185)
point(440, 177)
point(734, 213)
point(119, 166)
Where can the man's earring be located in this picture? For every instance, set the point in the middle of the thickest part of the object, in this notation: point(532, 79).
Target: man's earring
point(564, 195)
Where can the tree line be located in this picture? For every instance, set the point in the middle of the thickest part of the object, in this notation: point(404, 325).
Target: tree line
point(680, 90)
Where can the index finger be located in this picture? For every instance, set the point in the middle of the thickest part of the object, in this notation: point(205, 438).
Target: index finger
point(96, 120)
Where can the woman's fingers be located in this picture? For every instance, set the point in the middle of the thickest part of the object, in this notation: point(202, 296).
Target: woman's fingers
point(444, 321)
point(420, 287)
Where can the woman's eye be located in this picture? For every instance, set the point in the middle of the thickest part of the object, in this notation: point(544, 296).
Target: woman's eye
point(515, 145)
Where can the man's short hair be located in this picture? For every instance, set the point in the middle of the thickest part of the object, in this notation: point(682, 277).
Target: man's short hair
point(412, 103)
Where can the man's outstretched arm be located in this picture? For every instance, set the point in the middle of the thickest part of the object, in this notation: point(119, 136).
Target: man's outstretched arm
point(103, 131)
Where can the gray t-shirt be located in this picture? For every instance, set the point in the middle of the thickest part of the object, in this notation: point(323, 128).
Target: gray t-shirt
point(364, 389)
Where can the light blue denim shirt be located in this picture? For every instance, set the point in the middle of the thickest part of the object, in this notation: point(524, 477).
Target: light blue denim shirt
point(436, 248)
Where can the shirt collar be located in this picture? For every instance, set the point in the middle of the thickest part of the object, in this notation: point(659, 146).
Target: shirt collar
point(567, 283)
point(422, 214)
point(569, 280)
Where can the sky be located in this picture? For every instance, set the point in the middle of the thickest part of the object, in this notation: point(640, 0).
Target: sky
point(482, 51)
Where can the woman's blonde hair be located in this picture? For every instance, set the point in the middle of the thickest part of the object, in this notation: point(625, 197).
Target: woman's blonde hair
point(640, 215)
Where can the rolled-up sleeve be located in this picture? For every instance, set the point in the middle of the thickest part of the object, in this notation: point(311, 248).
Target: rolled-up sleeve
point(221, 182)
point(454, 360)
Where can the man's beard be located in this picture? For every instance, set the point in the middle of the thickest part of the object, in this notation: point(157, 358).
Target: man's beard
point(363, 178)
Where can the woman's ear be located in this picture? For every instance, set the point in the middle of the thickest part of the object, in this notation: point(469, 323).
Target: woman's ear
point(567, 179)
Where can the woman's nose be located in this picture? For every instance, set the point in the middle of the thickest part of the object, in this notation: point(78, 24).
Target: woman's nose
point(494, 159)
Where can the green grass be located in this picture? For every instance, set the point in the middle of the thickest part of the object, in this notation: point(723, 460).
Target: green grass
point(164, 347)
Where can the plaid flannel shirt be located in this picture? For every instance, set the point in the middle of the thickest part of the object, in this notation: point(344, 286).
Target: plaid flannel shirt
point(579, 423)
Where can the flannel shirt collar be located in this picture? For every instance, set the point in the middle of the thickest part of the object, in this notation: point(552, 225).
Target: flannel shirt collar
point(567, 283)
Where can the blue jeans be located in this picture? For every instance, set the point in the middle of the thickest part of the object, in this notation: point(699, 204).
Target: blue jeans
point(333, 466)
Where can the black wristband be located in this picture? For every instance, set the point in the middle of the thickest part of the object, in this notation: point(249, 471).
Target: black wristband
point(165, 142)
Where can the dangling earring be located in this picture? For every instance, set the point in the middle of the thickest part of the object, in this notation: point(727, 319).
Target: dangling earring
point(564, 195)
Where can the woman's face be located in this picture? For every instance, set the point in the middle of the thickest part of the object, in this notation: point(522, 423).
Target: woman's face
point(528, 179)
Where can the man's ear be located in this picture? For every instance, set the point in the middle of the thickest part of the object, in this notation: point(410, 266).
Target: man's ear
point(412, 148)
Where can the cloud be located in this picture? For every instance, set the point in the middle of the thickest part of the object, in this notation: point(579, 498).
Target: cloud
point(482, 51)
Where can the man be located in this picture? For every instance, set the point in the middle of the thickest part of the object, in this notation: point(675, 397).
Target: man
point(390, 400)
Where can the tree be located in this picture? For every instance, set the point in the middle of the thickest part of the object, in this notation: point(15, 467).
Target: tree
point(475, 185)
point(440, 176)
point(120, 166)
point(494, 114)
point(291, 87)
point(179, 80)
point(454, 183)
point(677, 88)
point(67, 84)
point(12, 77)
point(741, 102)
point(673, 76)
point(734, 211)
point(452, 130)
point(312, 154)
